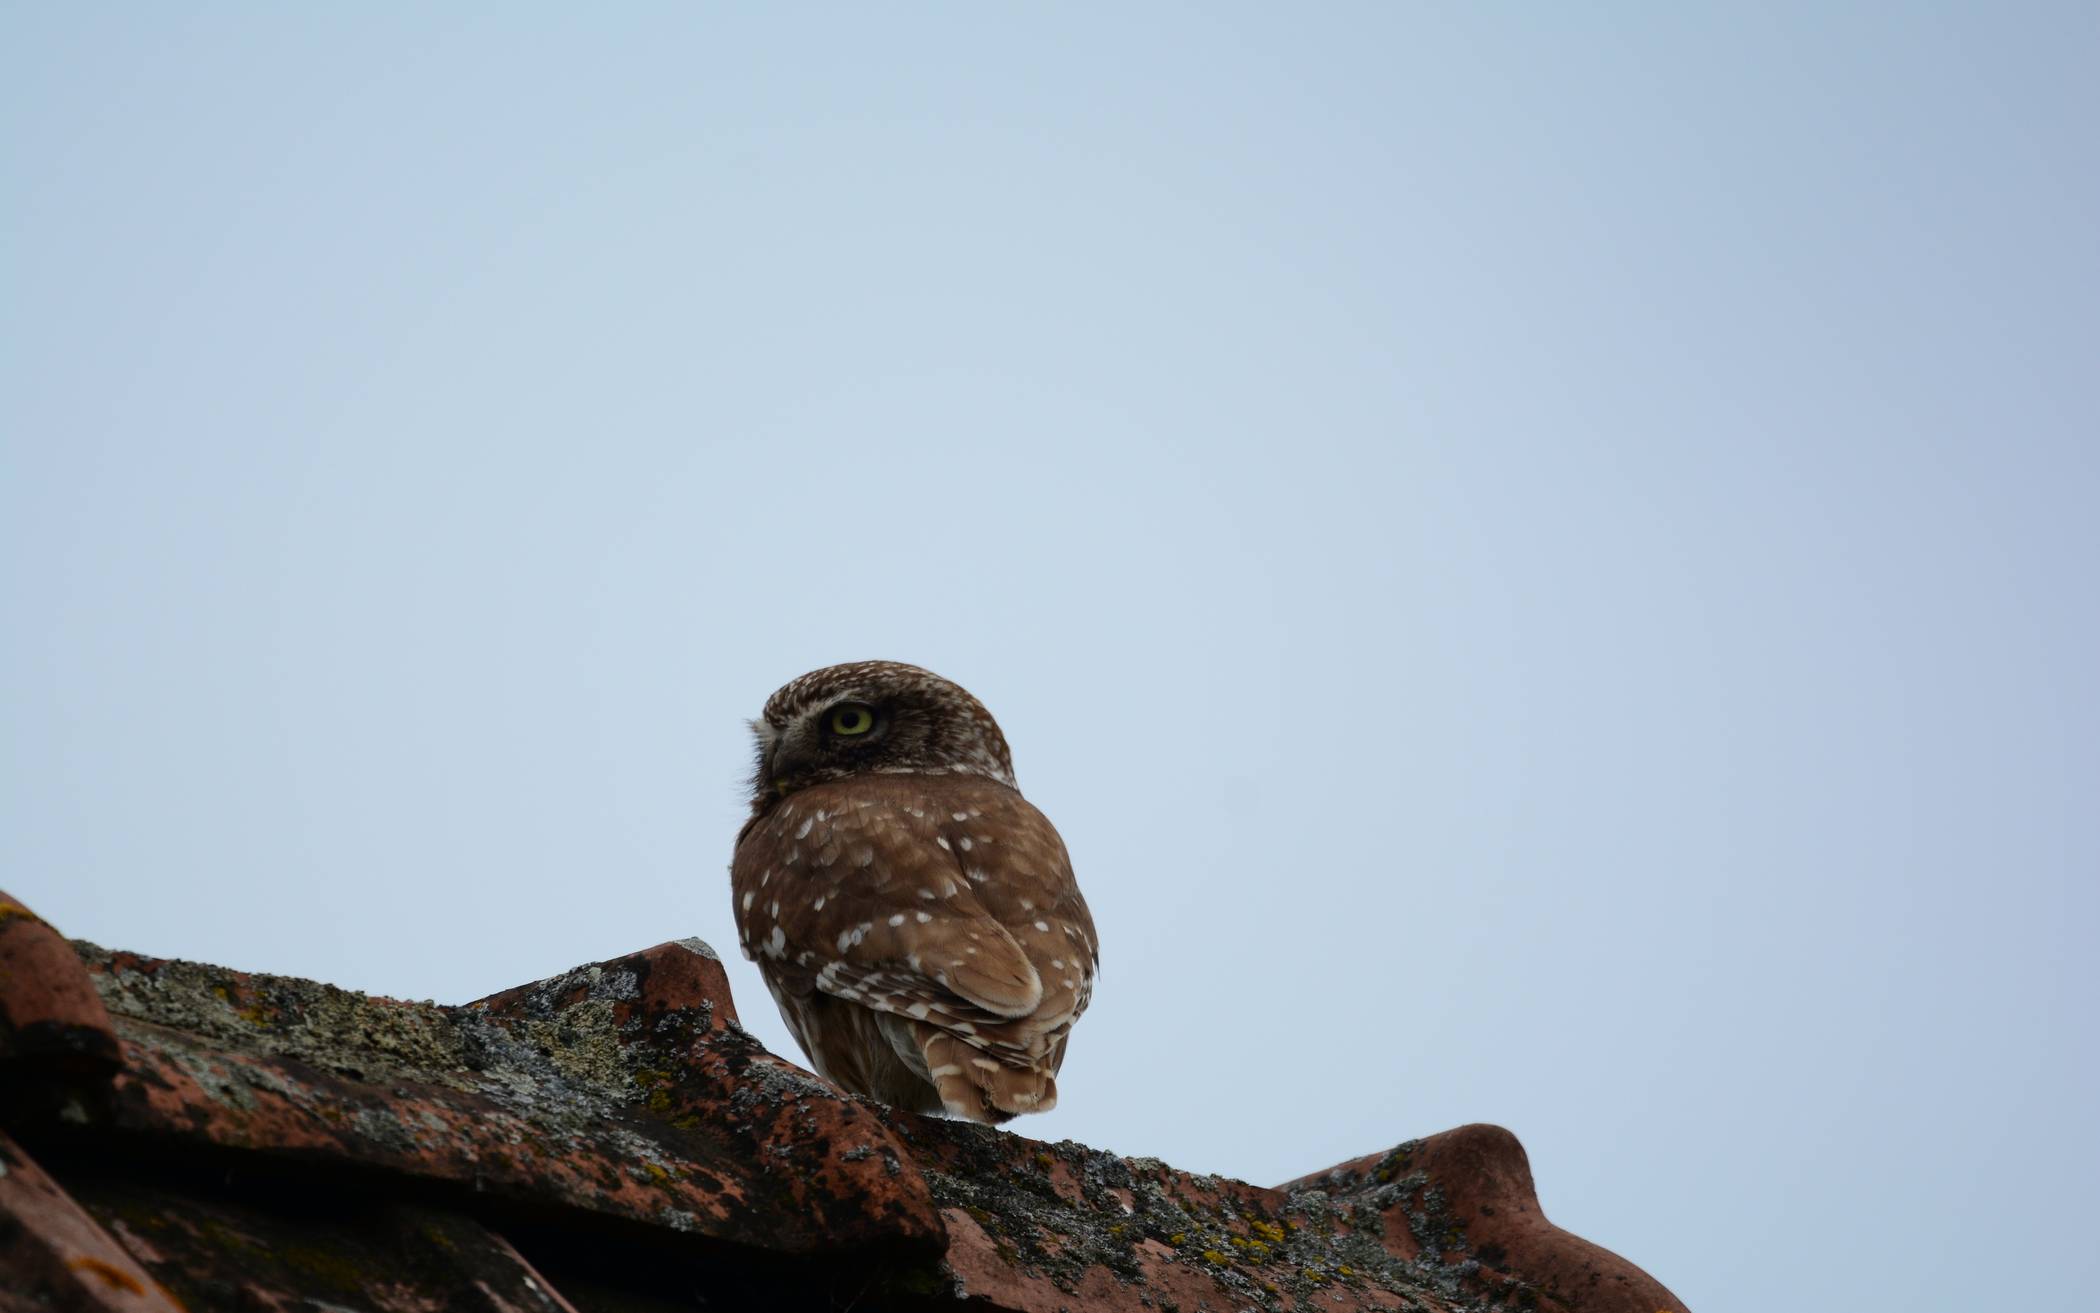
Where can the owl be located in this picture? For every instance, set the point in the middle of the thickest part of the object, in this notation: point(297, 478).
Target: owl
point(915, 918)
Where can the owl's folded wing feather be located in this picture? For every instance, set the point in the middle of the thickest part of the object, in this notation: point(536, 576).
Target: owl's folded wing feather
point(908, 995)
point(959, 956)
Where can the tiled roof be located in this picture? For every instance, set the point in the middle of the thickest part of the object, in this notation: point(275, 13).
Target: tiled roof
point(185, 1136)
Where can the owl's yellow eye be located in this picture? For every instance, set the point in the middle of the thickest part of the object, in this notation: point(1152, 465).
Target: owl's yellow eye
point(852, 719)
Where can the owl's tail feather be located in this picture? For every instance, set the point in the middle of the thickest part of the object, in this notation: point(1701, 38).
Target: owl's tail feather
point(977, 1087)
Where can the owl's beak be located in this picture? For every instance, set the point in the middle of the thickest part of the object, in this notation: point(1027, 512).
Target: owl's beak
point(785, 767)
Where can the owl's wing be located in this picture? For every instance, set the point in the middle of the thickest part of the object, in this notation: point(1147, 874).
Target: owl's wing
point(953, 958)
point(1014, 1042)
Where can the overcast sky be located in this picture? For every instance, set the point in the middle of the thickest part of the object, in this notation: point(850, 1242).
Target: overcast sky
point(1541, 557)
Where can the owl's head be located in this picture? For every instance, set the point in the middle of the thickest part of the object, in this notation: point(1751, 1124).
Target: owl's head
point(872, 717)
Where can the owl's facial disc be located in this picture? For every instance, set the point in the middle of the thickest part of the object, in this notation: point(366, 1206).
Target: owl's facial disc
point(825, 743)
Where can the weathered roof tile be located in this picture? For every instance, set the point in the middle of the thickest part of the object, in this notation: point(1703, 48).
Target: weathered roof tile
point(612, 1139)
point(52, 1023)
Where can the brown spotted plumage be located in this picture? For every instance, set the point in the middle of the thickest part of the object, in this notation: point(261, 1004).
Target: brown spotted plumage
point(914, 916)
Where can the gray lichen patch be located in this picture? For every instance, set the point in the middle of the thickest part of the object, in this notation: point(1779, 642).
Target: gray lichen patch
point(583, 1043)
point(1065, 1213)
point(335, 1029)
point(1062, 1211)
point(544, 998)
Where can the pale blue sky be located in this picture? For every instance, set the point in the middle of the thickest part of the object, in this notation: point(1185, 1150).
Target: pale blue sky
point(1542, 558)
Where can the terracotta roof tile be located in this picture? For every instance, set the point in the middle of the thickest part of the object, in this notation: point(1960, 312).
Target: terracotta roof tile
point(52, 1023)
point(612, 1139)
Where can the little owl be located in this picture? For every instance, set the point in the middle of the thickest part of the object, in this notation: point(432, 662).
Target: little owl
point(914, 917)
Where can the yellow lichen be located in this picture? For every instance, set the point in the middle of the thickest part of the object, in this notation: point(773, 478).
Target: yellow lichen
point(338, 1270)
